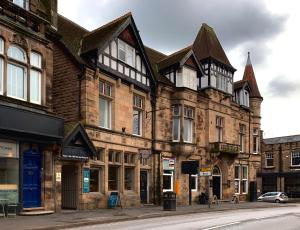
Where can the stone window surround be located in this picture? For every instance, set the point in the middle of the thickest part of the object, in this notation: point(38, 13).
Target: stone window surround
point(28, 67)
point(140, 109)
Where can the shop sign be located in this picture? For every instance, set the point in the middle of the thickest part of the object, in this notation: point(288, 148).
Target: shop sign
point(205, 171)
point(9, 149)
point(168, 164)
point(86, 180)
point(58, 177)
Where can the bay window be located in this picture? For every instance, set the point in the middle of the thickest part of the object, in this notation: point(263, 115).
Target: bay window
point(188, 124)
point(176, 123)
point(138, 105)
point(105, 91)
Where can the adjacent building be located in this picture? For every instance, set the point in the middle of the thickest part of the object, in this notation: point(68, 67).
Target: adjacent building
point(280, 165)
point(30, 133)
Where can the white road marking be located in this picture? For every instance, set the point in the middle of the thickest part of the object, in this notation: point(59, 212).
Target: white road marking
point(223, 225)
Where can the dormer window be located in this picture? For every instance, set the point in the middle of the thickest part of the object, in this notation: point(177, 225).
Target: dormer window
point(126, 53)
point(187, 77)
point(244, 97)
point(21, 3)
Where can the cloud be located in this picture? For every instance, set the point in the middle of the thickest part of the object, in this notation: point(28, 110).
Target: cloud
point(170, 25)
point(281, 86)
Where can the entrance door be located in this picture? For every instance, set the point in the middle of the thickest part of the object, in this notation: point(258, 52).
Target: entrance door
point(31, 179)
point(69, 186)
point(144, 187)
point(217, 186)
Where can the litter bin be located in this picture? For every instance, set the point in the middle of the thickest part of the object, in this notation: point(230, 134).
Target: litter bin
point(169, 201)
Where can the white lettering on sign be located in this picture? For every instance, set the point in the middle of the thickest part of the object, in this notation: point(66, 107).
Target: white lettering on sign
point(58, 177)
point(9, 149)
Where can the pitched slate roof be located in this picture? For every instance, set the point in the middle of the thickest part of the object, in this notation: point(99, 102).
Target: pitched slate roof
point(155, 57)
point(250, 77)
point(174, 58)
point(207, 45)
point(98, 37)
point(71, 34)
point(280, 140)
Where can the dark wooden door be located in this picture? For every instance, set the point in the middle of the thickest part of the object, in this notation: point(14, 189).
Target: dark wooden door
point(217, 186)
point(69, 185)
point(144, 187)
point(31, 179)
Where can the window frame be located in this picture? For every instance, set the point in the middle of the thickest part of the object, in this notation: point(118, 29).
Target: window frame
point(292, 156)
point(244, 179)
point(99, 179)
point(25, 79)
point(242, 134)
point(138, 106)
point(171, 174)
point(220, 128)
point(237, 179)
point(269, 156)
point(255, 147)
point(190, 119)
point(176, 116)
point(105, 94)
point(195, 177)
point(126, 50)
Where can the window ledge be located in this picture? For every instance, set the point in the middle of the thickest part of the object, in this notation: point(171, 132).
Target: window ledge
point(295, 166)
point(269, 167)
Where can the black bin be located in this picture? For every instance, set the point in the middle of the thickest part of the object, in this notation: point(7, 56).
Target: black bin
point(169, 201)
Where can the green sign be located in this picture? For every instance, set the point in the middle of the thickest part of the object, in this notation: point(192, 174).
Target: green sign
point(86, 180)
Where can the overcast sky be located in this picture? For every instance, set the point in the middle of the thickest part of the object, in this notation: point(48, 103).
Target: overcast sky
point(268, 29)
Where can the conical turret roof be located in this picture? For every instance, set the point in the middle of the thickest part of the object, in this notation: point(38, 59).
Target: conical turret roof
point(250, 77)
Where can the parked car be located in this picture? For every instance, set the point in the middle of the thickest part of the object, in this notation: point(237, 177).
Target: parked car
point(277, 197)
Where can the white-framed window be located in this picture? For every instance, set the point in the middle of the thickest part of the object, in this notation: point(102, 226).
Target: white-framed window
point(194, 184)
point(17, 53)
point(244, 180)
point(242, 133)
point(95, 179)
point(244, 97)
point(237, 177)
point(35, 86)
point(189, 78)
point(1, 74)
point(269, 160)
point(21, 3)
point(219, 128)
point(126, 53)
point(105, 90)
point(295, 158)
point(176, 123)
point(255, 141)
point(138, 106)
point(188, 124)
point(168, 177)
point(36, 60)
point(16, 81)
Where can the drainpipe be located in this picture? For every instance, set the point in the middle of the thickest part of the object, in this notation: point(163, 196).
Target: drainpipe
point(80, 78)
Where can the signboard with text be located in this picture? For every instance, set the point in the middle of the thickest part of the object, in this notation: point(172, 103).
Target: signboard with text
point(9, 149)
point(168, 163)
point(205, 171)
point(86, 180)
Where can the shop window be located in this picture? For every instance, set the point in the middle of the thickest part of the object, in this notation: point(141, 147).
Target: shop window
point(176, 123)
point(194, 184)
point(129, 178)
point(95, 179)
point(168, 180)
point(188, 124)
point(295, 159)
point(236, 179)
point(113, 178)
point(269, 160)
point(244, 179)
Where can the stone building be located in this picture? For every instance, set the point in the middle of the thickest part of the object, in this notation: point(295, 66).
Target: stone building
point(204, 116)
point(29, 132)
point(134, 114)
point(103, 87)
point(280, 165)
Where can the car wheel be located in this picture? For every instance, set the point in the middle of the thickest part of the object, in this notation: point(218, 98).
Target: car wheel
point(277, 201)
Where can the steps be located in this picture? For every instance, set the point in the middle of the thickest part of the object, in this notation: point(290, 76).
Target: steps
point(35, 211)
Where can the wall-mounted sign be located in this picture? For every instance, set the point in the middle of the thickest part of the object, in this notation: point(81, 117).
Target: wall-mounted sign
point(58, 177)
point(9, 149)
point(168, 164)
point(205, 171)
point(86, 180)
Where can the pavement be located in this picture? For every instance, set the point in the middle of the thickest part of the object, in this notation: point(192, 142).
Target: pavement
point(77, 218)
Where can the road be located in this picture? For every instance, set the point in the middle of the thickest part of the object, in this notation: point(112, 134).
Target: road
point(283, 218)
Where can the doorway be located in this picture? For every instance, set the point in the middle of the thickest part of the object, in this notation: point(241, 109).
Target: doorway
point(31, 179)
point(216, 180)
point(69, 187)
point(144, 187)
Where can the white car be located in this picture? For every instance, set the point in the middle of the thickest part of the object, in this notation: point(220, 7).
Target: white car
point(277, 197)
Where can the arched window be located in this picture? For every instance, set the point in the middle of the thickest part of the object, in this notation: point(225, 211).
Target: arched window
point(16, 73)
point(216, 171)
point(16, 53)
